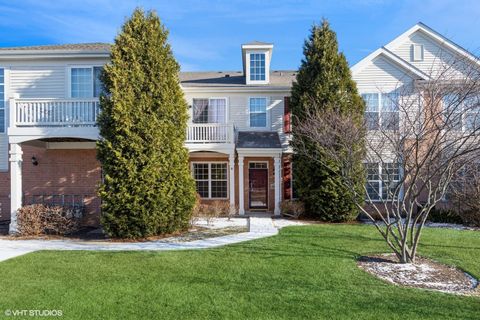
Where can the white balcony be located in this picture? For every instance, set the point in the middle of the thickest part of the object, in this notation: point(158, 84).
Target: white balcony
point(210, 137)
point(31, 119)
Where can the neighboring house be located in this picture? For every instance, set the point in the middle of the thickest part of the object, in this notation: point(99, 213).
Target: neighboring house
point(385, 79)
point(238, 133)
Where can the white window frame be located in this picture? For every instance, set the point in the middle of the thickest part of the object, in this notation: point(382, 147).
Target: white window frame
point(267, 113)
point(227, 114)
point(5, 101)
point(379, 108)
point(210, 178)
point(69, 79)
point(464, 115)
point(381, 182)
point(267, 67)
point(416, 47)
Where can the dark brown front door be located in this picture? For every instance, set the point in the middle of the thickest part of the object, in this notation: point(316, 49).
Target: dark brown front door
point(258, 189)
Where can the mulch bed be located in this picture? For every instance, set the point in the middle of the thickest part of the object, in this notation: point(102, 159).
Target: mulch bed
point(425, 274)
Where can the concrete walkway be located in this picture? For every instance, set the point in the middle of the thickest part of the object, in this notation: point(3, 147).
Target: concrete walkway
point(258, 228)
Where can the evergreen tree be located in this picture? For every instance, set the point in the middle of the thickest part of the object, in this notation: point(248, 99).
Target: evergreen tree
point(324, 82)
point(147, 188)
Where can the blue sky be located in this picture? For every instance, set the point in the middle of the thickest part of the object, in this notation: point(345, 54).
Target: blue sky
point(206, 35)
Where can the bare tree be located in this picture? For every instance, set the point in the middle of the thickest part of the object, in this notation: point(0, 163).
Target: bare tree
point(426, 132)
point(464, 194)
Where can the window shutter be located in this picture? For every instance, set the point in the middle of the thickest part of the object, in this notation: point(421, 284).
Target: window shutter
point(287, 121)
point(287, 179)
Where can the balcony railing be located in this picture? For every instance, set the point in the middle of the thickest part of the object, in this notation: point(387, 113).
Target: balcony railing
point(210, 133)
point(54, 112)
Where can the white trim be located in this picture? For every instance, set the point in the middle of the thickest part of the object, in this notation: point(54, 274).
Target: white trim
point(257, 161)
point(267, 113)
point(442, 40)
point(81, 66)
point(210, 178)
point(247, 54)
point(260, 152)
point(362, 64)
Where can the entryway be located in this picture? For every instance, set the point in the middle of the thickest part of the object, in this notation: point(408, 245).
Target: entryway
point(258, 185)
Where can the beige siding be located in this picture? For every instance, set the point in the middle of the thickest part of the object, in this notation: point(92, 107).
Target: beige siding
point(38, 81)
point(382, 76)
point(238, 109)
point(436, 58)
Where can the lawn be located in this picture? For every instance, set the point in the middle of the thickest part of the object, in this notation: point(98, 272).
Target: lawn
point(304, 272)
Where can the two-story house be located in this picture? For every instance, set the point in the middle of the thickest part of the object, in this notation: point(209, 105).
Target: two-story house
point(237, 135)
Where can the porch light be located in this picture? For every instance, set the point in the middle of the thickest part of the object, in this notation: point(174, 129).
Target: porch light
point(34, 161)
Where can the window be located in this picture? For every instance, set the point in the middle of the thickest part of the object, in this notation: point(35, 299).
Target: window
point(257, 165)
point(461, 113)
point(2, 101)
point(417, 52)
point(258, 112)
point(381, 111)
point(257, 66)
point(85, 82)
point(211, 110)
point(382, 181)
point(211, 179)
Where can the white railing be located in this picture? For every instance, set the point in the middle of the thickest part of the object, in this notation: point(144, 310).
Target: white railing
point(53, 112)
point(209, 133)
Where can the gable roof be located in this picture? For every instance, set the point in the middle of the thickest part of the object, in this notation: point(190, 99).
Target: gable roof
point(393, 58)
point(439, 38)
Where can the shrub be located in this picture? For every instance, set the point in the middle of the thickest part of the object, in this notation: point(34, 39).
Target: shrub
point(147, 188)
point(38, 219)
point(212, 210)
point(292, 208)
point(444, 216)
point(470, 218)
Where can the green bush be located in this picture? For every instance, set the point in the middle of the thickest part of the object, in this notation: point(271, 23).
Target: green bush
point(444, 216)
point(324, 83)
point(147, 188)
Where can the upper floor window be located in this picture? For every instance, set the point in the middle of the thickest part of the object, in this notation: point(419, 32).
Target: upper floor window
point(461, 113)
point(85, 82)
point(382, 111)
point(2, 101)
point(257, 66)
point(213, 110)
point(258, 112)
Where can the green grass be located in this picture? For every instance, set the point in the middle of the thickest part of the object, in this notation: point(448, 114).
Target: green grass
point(305, 272)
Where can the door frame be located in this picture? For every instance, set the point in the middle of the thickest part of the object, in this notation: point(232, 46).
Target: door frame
point(266, 185)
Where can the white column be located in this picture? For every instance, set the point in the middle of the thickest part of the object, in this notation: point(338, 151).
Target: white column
point(15, 184)
point(278, 162)
point(241, 201)
point(231, 162)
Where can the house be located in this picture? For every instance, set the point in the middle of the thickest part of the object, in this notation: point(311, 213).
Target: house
point(238, 133)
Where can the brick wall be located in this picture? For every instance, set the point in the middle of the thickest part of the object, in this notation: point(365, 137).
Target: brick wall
point(71, 172)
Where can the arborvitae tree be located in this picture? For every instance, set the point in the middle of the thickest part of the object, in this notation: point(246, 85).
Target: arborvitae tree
point(147, 188)
point(324, 83)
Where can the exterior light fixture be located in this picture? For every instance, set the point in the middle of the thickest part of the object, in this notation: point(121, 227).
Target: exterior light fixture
point(34, 161)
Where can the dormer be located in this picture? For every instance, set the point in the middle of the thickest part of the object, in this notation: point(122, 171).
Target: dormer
point(256, 57)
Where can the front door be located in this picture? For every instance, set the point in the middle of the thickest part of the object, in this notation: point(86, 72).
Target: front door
point(258, 188)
